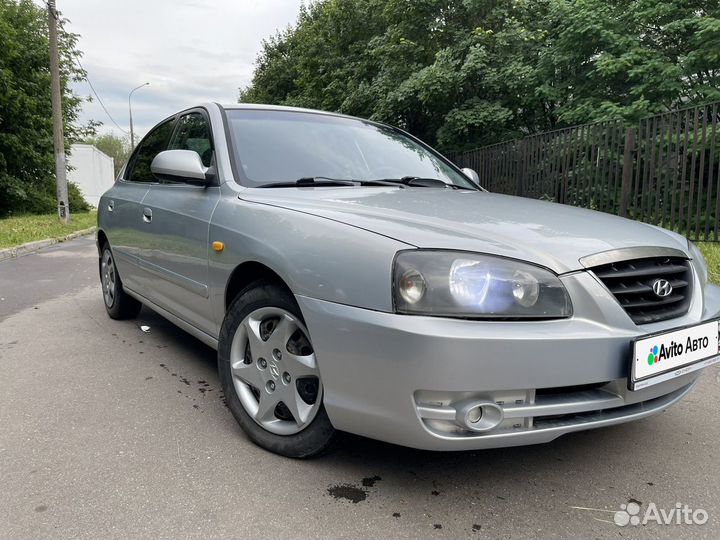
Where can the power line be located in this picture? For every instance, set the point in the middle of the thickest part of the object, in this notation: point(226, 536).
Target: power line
point(56, 15)
point(98, 97)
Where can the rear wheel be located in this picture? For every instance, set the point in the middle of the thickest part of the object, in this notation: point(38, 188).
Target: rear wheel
point(118, 304)
point(270, 375)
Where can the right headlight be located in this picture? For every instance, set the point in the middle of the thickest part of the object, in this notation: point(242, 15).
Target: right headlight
point(469, 285)
point(698, 261)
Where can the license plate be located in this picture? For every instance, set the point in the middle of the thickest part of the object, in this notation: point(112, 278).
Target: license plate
point(666, 355)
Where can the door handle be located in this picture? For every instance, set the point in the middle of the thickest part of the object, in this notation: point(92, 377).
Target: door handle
point(147, 215)
point(111, 206)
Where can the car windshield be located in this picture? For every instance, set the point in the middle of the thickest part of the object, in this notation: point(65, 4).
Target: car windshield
point(285, 146)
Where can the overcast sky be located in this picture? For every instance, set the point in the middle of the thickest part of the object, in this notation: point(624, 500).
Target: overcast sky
point(190, 51)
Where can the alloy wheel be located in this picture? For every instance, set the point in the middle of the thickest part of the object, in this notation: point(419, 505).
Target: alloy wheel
point(109, 278)
point(274, 371)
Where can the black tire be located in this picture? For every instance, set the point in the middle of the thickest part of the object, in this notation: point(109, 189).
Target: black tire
point(121, 305)
point(319, 435)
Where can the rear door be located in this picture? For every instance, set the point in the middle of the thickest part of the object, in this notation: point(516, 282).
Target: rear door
point(124, 224)
point(180, 222)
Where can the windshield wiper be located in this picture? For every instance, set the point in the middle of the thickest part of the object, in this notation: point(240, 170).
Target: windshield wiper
point(419, 181)
point(310, 181)
point(381, 182)
point(405, 181)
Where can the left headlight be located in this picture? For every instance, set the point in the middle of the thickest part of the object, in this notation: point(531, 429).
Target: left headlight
point(698, 261)
point(468, 285)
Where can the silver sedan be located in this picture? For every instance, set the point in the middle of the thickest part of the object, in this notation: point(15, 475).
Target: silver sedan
point(353, 279)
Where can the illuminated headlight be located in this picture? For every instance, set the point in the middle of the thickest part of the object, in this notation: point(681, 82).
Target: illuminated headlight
point(460, 284)
point(698, 262)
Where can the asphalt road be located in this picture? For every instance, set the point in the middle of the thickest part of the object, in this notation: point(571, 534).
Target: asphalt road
point(60, 269)
point(107, 431)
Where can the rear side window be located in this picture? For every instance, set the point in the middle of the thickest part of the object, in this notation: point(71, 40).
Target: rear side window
point(193, 133)
point(154, 143)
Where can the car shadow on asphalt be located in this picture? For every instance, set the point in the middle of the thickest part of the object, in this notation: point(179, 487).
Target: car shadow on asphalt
point(166, 331)
point(574, 447)
point(565, 470)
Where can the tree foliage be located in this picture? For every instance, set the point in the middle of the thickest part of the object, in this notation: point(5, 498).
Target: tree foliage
point(463, 73)
point(27, 166)
point(117, 147)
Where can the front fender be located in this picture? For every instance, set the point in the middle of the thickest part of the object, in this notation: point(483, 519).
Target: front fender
point(316, 257)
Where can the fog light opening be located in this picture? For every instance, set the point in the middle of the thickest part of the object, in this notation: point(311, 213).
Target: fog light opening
point(478, 415)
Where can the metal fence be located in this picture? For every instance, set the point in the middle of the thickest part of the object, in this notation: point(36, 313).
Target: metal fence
point(664, 171)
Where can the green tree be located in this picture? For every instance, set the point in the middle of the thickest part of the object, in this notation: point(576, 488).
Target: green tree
point(630, 59)
point(463, 73)
point(27, 177)
point(117, 147)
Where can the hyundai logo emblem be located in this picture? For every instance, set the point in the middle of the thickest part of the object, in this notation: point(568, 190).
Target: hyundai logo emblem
point(662, 288)
point(274, 370)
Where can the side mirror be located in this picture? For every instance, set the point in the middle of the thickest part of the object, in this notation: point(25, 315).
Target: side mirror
point(472, 175)
point(182, 166)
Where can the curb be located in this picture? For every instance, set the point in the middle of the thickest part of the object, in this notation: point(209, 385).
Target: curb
point(32, 247)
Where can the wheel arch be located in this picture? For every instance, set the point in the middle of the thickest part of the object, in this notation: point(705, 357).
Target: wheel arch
point(246, 273)
point(102, 239)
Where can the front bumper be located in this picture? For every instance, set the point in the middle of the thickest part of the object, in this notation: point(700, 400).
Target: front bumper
point(402, 378)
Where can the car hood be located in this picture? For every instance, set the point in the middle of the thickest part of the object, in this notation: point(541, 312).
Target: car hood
point(549, 234)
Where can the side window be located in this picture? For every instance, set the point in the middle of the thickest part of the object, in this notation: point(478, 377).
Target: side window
point(193, 133)
point(154, 143)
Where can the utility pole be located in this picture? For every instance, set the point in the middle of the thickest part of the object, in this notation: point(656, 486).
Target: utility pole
point(58, 138)
point(132, 133)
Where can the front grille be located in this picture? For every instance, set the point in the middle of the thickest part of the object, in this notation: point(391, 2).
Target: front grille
point(632, 284)
point(565, 390)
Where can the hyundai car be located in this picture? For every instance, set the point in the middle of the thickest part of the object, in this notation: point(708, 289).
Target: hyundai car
point(352, 279)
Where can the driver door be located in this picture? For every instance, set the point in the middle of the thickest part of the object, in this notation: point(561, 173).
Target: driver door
point(178, 221)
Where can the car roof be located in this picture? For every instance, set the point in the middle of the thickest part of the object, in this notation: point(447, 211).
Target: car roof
point(284, 108)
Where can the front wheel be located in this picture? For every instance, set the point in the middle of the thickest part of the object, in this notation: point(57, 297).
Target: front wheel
point(269, 373)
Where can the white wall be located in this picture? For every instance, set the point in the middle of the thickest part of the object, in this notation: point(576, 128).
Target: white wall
point(92, 171)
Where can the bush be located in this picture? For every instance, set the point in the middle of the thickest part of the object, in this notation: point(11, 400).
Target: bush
point(76, 200)
point(41, 199)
